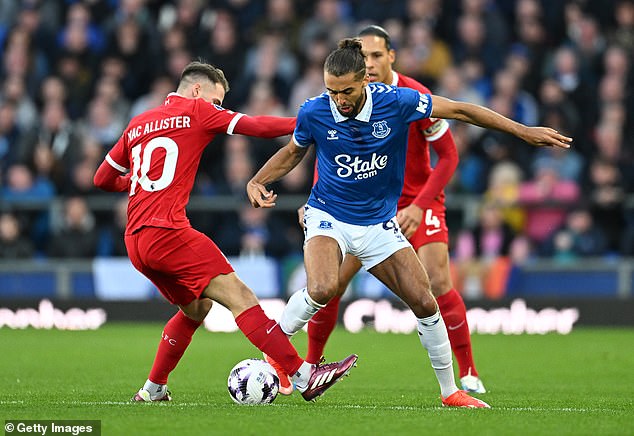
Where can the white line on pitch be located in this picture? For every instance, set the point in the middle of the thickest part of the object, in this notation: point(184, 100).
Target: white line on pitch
point(337, 406)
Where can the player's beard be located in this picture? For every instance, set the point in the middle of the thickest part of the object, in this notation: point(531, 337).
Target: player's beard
point(356, 108)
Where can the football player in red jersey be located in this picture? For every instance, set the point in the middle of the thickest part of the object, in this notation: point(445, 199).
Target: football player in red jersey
point(421, 216)
point(161, 149)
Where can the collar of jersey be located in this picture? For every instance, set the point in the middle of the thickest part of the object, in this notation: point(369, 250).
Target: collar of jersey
point(394, 78)
point(172, 94)
point(364, 113)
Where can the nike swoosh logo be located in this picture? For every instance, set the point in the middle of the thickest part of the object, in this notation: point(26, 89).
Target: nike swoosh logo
point(454, 327)
point(432, 232)
point(268, 331)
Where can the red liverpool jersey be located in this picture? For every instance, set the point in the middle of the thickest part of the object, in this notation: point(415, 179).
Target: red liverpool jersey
point(417, 164)
point(162, 148)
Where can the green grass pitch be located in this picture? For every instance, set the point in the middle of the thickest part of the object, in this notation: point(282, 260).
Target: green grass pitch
point(577, 384)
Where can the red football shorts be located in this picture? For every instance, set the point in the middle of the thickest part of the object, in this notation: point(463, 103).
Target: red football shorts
point(180, 262)
point(433, 227)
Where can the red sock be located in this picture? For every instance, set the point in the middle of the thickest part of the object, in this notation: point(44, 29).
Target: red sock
point(454, 313)
point(267, 335)
point(320, 327)
point(177, 335)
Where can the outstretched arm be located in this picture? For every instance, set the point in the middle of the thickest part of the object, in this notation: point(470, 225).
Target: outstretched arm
point(264, 126)
point(280, 164)
point(480, 116)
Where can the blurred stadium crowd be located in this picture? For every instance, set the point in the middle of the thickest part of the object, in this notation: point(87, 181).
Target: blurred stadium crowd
point(72, 74)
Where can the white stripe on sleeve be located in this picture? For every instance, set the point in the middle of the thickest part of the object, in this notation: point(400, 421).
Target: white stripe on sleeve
point(115, 165)
point(232, 124)
point(298, 144)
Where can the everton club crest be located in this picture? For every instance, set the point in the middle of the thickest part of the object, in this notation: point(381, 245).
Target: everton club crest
point(380, 129)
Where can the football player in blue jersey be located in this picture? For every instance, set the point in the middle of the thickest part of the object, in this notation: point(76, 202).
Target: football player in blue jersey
point(359, 130)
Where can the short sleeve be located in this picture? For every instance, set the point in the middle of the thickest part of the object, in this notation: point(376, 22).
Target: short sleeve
point(414, 105)
point(302, 136)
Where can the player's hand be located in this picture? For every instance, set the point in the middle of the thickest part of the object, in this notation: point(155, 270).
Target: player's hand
point(300, 216)
point(409, 219)
point(545, 137)
point(259, 196)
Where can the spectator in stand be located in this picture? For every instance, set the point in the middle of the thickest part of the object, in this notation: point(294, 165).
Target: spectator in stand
point(22, 186)
point(328, 18)
point(80, 35)
point(76, 236)
point(10, 134)
point(224, 47)
point(77, 77)
point(271, 62)
point(433, 56)
point(161, 86)
point(609, 145)
point(102, 123)
point(13, 245)
point(53, 89)
point(523, 105)
point(14, 90)
point(470, 175)
point(623, 33)
point(21, 57)
point(503, 191)
point(130, 45)
point(238, 170)
point(111, 238)
point(175, 61)
point(187, 14)
point(281, 16)
point(606, 195)
point(58, 133)
point(482, 254)
point(578, 237)
point(252, 233)
point(546, 200)
point(471, 42)
point(310, 83)
point(453, 85)
point(575, 83)
point(533, 40)
point(568, 166)
point(553, 99)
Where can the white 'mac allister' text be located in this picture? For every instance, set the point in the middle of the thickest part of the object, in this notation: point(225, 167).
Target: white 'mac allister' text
point(179, 122)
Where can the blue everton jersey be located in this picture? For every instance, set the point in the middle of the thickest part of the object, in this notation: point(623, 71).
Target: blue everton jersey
point(360, 160)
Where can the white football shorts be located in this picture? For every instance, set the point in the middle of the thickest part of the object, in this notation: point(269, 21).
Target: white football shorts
point(370, 244)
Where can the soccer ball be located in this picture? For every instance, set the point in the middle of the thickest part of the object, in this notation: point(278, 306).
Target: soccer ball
point(253, 381)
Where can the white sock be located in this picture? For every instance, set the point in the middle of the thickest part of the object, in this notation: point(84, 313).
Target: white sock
point(154, 389)
point(433, 335)
point(298, 311)
point(301, 377)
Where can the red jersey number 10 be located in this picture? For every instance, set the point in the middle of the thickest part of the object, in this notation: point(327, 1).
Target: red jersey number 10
point(142, 161)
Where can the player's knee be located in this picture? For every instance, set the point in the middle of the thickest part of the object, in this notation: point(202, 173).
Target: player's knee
point(424, 306)
point(440, 284)
point(323, 292)
point(197, 309)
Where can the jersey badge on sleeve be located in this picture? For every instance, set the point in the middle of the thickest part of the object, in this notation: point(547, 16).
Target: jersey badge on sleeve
point(380, 129)
point(423, 102)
